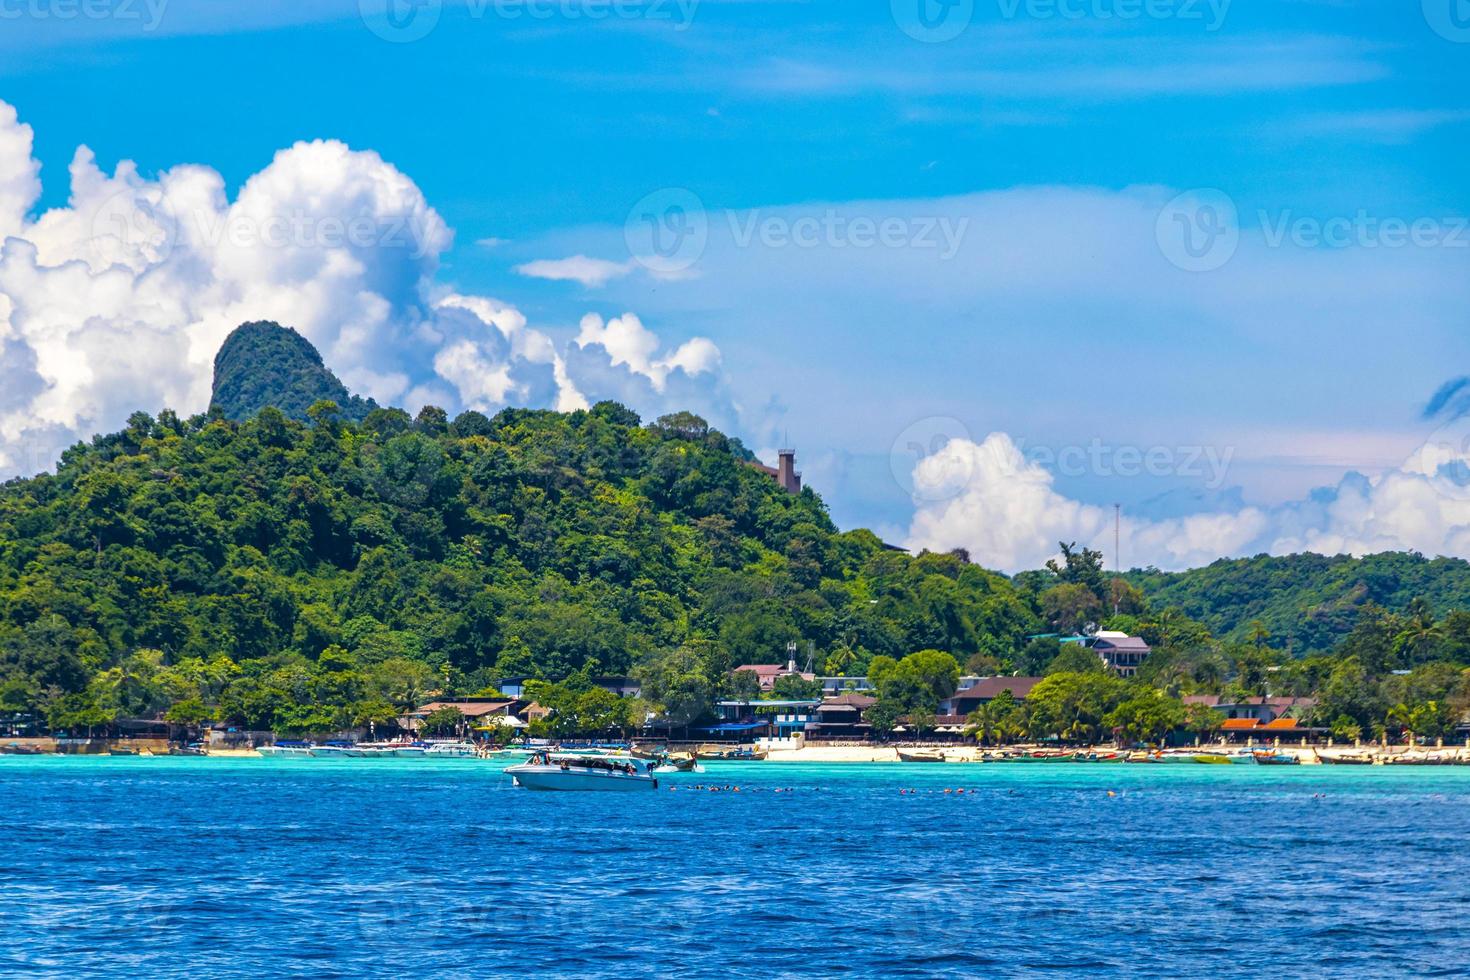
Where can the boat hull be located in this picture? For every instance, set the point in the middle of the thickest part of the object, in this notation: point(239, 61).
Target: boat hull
point(554, 778)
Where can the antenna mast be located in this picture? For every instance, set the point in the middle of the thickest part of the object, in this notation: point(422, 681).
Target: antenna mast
point(1117, 549)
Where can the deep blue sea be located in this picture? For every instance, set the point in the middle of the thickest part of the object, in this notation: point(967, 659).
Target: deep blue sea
point(419, 868)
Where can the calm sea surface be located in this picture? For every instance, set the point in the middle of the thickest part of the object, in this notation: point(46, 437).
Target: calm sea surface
point(415, 868)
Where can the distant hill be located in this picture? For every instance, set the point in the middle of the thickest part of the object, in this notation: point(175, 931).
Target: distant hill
point(1309, 601)
point(265, 364)
point(311, 576)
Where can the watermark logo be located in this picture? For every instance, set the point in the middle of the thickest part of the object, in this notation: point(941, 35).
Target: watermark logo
point(667, 231)
point(404, 21)
point(139, 226)
point(1362, 230)
point(401, 21)
point(134, 226)
point(932, 21)
point(148, 13)
point(1208, 465)
point(1444, 459)
point(1210, 13)
point(1199, 230)
point(1450, 19)
point(945, 475)
point(834, 229)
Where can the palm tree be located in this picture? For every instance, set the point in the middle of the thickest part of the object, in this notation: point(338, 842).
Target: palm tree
point(1416, 642)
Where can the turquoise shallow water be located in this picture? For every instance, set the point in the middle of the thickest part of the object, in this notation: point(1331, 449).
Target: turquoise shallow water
point(201, 867)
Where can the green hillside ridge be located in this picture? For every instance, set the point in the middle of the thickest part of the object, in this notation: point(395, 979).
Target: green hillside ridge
point(306, 575)
point(1307, 602)
point(264, 364)
point(318, 574)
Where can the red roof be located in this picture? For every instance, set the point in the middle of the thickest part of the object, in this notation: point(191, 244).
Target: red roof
point(471, 708)
point(849, 700)
point(990, 687)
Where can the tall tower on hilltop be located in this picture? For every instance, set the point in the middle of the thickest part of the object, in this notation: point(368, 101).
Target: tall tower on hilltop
point(786, 474)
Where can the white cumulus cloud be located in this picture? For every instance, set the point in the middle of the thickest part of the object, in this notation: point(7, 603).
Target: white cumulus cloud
point(989, 498)
point(120, 300)
point(589, 272)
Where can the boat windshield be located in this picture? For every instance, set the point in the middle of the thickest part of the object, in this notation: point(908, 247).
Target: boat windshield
point(592, 762)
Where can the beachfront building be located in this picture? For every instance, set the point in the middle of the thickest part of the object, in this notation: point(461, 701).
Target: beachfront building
point(1260, 719)
point(975, 692)
point(478, 712)
point(1262, 709)
point(748, 720)
point(842, 717)
point(982, 690)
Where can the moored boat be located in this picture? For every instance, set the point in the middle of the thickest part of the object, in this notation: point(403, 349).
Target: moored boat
point(332, 750)
point(399, 750)
point(285, 750)
point(451, 750)
point(1276, 759)
point(556, 771)
point(920, 755)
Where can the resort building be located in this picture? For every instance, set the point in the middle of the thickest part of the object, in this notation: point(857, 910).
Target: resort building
point(982, 690)
point(842, 717)
point(1260, 718)
point(767, 673)
point(765, 719)
point(832, 686)
point(976, 692)
point(623, 687)
point(1260, 709)
point(478, 712)
point(1121, 653)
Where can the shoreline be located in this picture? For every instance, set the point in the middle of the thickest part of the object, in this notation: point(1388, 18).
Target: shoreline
point(1364, 755)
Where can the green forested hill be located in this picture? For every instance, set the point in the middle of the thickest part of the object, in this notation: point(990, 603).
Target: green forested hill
point(324, 572)
point(267, 365)
point(306, 576)
point(1309, 602)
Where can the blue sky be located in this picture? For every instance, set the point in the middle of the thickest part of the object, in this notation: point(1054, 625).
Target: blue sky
point(1051, 139)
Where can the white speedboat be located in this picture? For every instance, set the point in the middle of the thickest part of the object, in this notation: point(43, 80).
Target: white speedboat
point(395, 750)
point(285, 750)
point(334, 751)
point(451, 750)
point(557, 771)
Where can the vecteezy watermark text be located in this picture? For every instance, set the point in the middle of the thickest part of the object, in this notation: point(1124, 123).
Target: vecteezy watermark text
point(668, 230)
point(403, 21)
point(158, 228)
point(1200, 230)
point(1211, 13)
point(1363, 230)
point(1211, 464)
point(833, 229)
point(148, 12)
point(935, 21)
